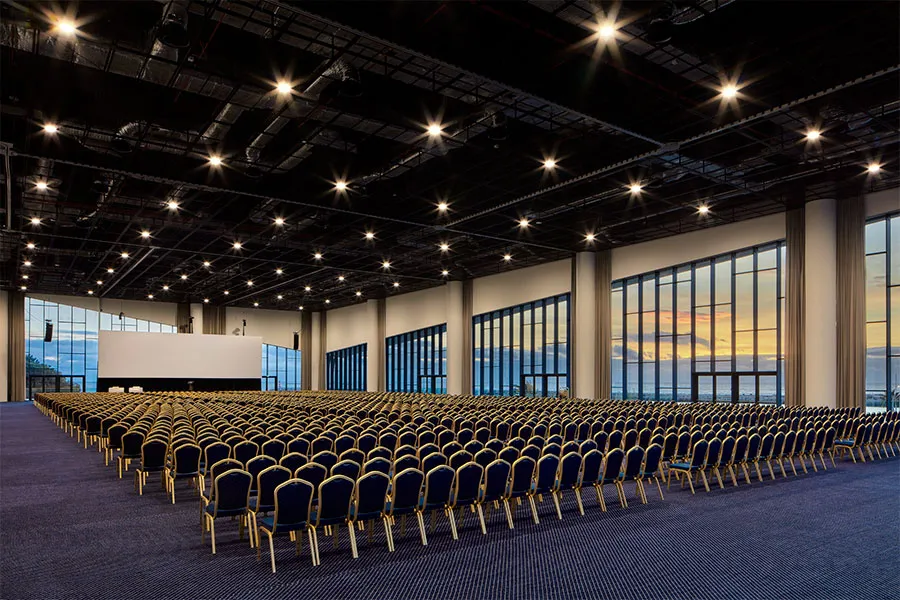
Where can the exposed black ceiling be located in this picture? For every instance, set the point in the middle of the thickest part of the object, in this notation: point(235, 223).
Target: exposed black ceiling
point(511, 84)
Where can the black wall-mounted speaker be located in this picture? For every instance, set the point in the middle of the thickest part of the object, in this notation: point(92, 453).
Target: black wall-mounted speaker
point(296, 341)
point(48, 332)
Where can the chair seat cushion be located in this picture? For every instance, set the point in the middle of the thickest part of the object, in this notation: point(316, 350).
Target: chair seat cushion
point(269, 523)
point(263, 508)
point(151, 469)
point(681, 466)
point(211, 510)
point(844, 443)
point(399, 510)
point(175, 475)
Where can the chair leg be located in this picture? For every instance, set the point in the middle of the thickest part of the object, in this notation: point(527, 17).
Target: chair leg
point(705, 482)
point(659, 488)
point(452, 519)
point(387, 532)
point(578, 501)
point(600, 497)
point(352, 533)
point(771, 470)
point(421, 519)
point(271, 550)
point(314, 546)
point(212, 533)
point(556, 503)
point(623, 501)
point(691, 483)
point(481, 518)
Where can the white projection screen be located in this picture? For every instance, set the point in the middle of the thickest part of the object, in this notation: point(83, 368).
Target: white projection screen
point(132, 355)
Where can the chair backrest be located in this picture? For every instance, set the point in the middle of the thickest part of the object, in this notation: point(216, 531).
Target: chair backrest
point(586, 446)
point(522, 475)
point(698, 454)
point(615, 439)
point(634, 460)
point(232, 490)
point(569, 470)
point(335, 496)
point(652, 458)
point(153, 454)
point(460, 458)
point(486, 456)
point(765, 445)
point(299, 445)
point(378, 464)
point(496, 476)
point(753, 447)
point(187, 459)
point(131, 444)
point(114, 435)
point(602, 438)
point(405, 489)
point(790, 442)
point(371, 491)
point(811, 436)
point(532, 452)
point(344, 443)
point(629, 440)
point(713, 452)
point(612, 464)
point(404, 463)
point(380, 452)
point(347, 468)
point(466, 483)
point(274, 448)
point(554, 449)
point(293, 501)
point(244, 451)
point(433, 460)
point(473, 447)
point(778, 444)
point(547, 470)
point(326, 458)
point(366, 442)
point(405, 450)
point(590, 470)
point(312, 472)
point(293, 461)
point(571, 446)
point(321, 444)
point(438, 485)
point(266, 481)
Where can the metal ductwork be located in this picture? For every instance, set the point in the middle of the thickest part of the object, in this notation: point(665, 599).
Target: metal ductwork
point(172, 28)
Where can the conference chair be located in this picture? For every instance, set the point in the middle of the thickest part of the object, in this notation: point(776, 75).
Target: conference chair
point(459, 459)
point(333, 510)
point(651, 468)
point(634, 461)
point(568, 478)
point(612, 467)
point(466, 485)
point(273, 448)
point(231, 498)
point(343, 443)
point(244, 451)
point(546, 473)
point(694, 465)
point(266, 482)
point(369, 503)
point(347, 468)
point(292, 506)
point(713, 459)
point(299, 446)
point(185, 465)
point(314, 473)
point(486, 456)
point(153, 460)
point(293, 461)
point(380, 452)
point(403, 463)
point(493, 488)
point(521, 478)
point(326, 458)
point(432, 461)
point(132, 441)
point(380, 465)
point(406, 486)
point(113, 441)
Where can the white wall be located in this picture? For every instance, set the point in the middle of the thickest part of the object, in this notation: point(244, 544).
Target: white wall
point(416, 310)
point(273, 326)
point(4, 345)
point(678, 249)
point(882, 202)
point(523, 285)
point(353, 325)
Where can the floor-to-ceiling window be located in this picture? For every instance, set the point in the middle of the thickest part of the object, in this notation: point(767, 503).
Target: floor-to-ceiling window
point(416, 361)
point(69, 361)
point(280, 368)
point(710, 330)
point(522, 350)
point(345, 369)
point(883, 312)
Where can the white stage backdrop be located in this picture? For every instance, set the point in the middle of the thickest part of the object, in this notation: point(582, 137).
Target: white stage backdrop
point(131, 354)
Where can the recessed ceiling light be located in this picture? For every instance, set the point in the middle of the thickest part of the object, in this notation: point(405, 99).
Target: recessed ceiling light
point(444, 247)
point(523, 223)
point(124, 255)
point(110, 271)
point(300, 307)
point(396, 284)
point(27, 263)
point(729, 92)
point(358, 293)
point(206, 263)
point(284, 88)
point(635, 188)
point(434, 130)
point(183, 276)
point(607, 31)
point(256, 304)
point(24, 276)
point(206, 301)
point(226, 292)
point(703, 209)
point(873, 168)
point(66, 27)
point(279, 271)
point(145, 234)
point(165, 288)
point(172, 205)
point(445, 272)
point(50, 128)
point(442, 206)
point(90, 292)
point(317, 256)
point(340, 185)
point(280, 297)
point(507, 257)
point(23, 288)
point(370, 235)
point(237, 245)
point(279, 221)
point(215, 160)
point(813, 134)
point(307, 289)
point(30, 245)
point(386, 265)
point(549, 164)
point(590, 237)
point(249, 283)
point(341, 277)
point(149, 296)
point(327, 301)
point(99, 282)
point(35, 221)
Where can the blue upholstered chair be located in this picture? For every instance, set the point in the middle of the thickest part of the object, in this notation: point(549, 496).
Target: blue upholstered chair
point(694, 465)
point(366, 442)
point(486, 456)
point(713, 459)
point(531, 451)
point(231, 498)
point(153, 460)
point(354, 454)
point(651, 469)
point(312, 472)
point(380, 452)
point(369, 502)
point(380, 465)
point(406, 487)
point(244, 451)
point(326, 458)
point(292, 502)
point(591, 461)
point(293, 461)
point(433, 460)
point(568, 478)
point(852, 443)
point(333, 510)
point(436, 497)
point(458, 459)
point(113, 441)
point(493, 489)
point(321, 444)
point(632, 468)
point(347, 468)
point(299, 445)
point(751, 458)
point(403, 463)
point(495, 444)
point(521, 479)
point(273, 448)
point(343, 443)
point(266, 481)
point(546, 472)
point(609, 474)
point(132, 441)
point(255, 466)
point(466, 486)
point(185, 465)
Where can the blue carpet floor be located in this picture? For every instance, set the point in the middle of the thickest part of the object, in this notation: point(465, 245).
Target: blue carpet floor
point(70, 529)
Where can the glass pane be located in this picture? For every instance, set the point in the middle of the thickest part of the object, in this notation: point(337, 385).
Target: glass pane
point(616, 314)
point(723, 389)
point(768, 391)
point(767, 350)
point(632, 298)
point(744, 355)
point(723, 281)
point(876, 295)
point(876, 357)
point(649, 384)
point(702, 283)
point(876, 237)
point(743, 294)
point(743, 263)
point(703, 346)
point(895, 250)
point(723, 332)
point(648, 350)
point(747, 389)
point(766, 259)
point(648, 299)
point(767, 298)
point(666, 362)
point(666, 324)
point(683, 317)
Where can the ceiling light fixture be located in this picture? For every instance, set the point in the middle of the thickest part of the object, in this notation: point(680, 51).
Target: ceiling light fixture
point(317, 256)
point(145, 234)
point(66, 27)
point(445, 272)
point(99, 282)
point(183, 276)
point(24, 276)
point(340, 185)
point(635, 188)
point(549, 164)
point(729, 92)
point(41, 186)
point(507, 257)
point(607, 31)
point(284, 88)
point(90, 292)
point(35, 220)
point(110, 271)
point(237, 245)
point(396, 284)
point(280, 297)
point(370, 235)
point(206, 263)
point(249, 283)
point(300, 307)
point(279, 221)
point(226, 292)
point(206, 301)
point(215, 160)
point(172, 205)
point(434, 130)
point(327, 301)
point(358, 293)
point(279, 271)
point(256, 304)
point(340, 278)
point(165, 288)
point(386, 265)
point(703, 209)
point(442, 206)
point(50, 128)
point(813, 135)
point(23, 288)
point(523, 223)
point(590, 237)
point(444, 247)
point(124, 255)
point(873, 168)
point(307, 289)
point(149, 296)
point(30, 245)
point(27, 263)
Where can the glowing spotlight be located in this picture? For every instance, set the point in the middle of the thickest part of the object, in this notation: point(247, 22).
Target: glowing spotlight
point(206, 263)
point(341, 278)
point(307, 289)
point(444, 247)
point(370, 235)
point(23, 288)
point(873, 168)
point(249, 283)
point(27, 263)
point(99, 282)
point(280, 297)
point(300, 307)
point(183, 276)
point(35, 220)
point(110, 271)
point(729, 92)
point(590, 237)
point(607, 31)
point(703, 209)
point(215, 161)
point(434, 130)
point(327, 301)
point(206, 301)
point(279, 271)
point(30, 245)
point(813, 135)
point(41, 186)
point(256, 304)
point(225, 293)
point(442, 206)
point(340, 186)
point(66, 27)
point(149, 296)
point(523, 223)
point(445, 272)
point(317, 256)
point(507, 257)
point(358, 293)
point(50, 128)
point(396, 284)
point(279, 221)
point(172, 205)
point(24, 276)
point(124, 255)
point(635, 188)
point(549, 164)
point(90, 292)
point(237, 246)
point(386, 265)
point(145, 234)
point(284, 88)
point(165, 288)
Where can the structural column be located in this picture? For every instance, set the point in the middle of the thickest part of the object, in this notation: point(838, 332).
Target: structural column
point(317, 350)
point(820, 291)
point(457, 349)
point(582, 333)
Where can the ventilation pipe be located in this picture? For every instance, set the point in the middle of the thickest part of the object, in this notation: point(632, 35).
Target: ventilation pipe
point(172, 28)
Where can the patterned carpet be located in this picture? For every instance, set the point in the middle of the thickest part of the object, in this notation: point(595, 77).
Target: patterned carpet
point(70, 529)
